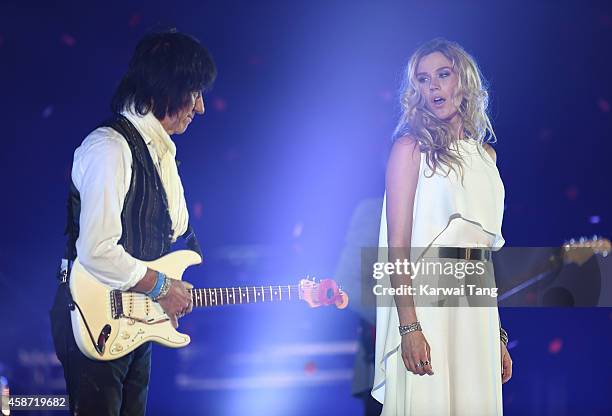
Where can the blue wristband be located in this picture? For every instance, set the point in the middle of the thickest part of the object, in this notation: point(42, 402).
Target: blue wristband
point(158, 286)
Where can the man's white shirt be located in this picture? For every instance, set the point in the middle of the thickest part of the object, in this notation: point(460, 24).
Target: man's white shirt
point(102, 172)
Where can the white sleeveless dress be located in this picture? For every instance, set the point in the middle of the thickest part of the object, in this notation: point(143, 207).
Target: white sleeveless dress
point(464, 341)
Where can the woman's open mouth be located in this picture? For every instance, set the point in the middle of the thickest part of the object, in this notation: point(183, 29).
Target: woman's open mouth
point(438, 101)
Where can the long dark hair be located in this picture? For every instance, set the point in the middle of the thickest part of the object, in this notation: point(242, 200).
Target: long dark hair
point(165, 69)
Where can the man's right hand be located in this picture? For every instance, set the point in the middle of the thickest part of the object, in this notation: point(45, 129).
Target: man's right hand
point(177, 303)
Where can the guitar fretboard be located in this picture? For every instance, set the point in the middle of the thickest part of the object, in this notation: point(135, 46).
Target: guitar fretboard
point(242, 295)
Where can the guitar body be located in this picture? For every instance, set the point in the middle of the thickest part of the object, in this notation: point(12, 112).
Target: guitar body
point(108, 324)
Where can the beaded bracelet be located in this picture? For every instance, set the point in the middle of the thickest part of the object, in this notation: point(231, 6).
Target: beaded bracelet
point(159, 281)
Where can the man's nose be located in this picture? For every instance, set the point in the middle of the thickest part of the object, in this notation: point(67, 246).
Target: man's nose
point(434, 85)
point(199, 105)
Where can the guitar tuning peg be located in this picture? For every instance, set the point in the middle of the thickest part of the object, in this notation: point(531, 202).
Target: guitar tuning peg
point(582, 240)
point(595, 237)
point(572, 241)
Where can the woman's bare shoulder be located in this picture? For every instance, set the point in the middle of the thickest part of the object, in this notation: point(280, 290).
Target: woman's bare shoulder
point(407, 140)
point(407, 146)
point(405, 158)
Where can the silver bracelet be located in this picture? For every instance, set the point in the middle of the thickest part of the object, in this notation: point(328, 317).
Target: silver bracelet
point(164, 289)
point(405, 329)
point(503, 335)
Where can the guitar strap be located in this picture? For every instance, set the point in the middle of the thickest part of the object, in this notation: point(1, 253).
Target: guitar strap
point(191, 241)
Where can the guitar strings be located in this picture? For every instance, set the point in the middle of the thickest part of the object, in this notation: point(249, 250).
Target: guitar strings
point(208, 293)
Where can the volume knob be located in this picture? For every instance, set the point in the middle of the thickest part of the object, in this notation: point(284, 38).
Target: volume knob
point(116, 348)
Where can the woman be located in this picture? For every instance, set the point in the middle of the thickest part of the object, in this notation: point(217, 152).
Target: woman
point(442, 190)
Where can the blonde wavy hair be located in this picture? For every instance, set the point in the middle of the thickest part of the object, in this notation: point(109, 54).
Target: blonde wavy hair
point(435, 136)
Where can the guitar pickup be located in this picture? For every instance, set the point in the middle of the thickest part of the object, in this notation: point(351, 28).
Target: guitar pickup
point(116, 300)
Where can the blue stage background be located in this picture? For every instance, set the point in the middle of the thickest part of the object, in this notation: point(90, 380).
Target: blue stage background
point(294, 138)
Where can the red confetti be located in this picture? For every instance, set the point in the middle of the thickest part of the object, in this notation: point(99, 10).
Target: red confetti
point(197, 210)
point(68, 40)
point(255, 60)
point(386, 95)
point(310, 368)
point(571, 193)
point(531, 298)
point(219, 104)
point(231, 155)
point(545, 134)
point(604, 105)
point(555, 346)
point(134, 20)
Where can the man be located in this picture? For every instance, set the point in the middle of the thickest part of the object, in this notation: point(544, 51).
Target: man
point(356, 259)
point(126, 205)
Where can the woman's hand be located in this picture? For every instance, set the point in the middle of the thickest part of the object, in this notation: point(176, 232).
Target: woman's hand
point(506, 363)
point(415, 350)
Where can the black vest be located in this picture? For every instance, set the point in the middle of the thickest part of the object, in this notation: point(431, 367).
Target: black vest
point(147, 227)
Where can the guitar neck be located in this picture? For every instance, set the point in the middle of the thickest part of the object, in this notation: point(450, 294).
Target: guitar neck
point(220, 296)
point(552, 263)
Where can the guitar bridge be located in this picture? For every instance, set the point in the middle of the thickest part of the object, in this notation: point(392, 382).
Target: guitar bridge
point(116, 301)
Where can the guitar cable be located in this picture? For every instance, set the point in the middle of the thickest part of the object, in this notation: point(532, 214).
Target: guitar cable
point(71, 306)
point(64, 275)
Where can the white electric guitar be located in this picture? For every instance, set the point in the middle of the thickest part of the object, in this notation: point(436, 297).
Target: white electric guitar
point(108, 324)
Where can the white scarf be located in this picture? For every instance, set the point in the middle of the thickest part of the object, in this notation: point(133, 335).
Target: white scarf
point(153, 133)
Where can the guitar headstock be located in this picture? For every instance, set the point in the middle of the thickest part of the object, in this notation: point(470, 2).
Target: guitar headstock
point(323, 293)
point(580, 250)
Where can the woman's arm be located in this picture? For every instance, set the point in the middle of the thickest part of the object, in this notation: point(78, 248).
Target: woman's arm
point(402, 179)
point(401, 182)
point(506, 359)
